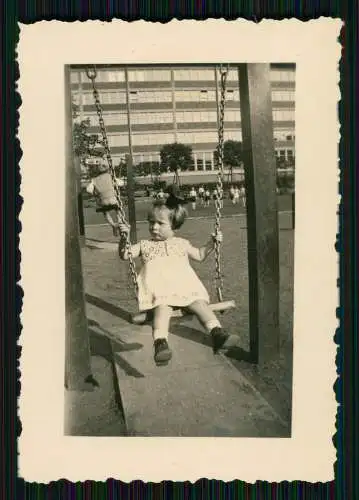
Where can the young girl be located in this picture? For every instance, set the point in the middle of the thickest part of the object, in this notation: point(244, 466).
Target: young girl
point(167, 280)
point(102, 188)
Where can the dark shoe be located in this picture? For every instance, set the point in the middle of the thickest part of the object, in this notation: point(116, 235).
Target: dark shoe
point(162, 352)
point(223, 341)
point(219, 338)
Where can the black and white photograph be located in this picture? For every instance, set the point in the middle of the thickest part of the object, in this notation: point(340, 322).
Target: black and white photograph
point(178, 254)
point(181, 211)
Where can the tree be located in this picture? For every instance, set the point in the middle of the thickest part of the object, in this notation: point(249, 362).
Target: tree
point(145, 168)
point(232, 153)
point(176, 157)
point(85, 144)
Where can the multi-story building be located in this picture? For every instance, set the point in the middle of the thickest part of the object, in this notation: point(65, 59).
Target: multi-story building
point(176, 103)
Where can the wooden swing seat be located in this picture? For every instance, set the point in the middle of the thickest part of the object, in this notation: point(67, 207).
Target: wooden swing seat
point(142, 318)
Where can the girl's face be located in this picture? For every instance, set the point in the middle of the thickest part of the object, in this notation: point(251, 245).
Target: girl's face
point(160, 225)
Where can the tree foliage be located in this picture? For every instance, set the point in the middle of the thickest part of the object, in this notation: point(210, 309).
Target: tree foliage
point(176, 156)
point(85, 144)
point(145, 168)
point(232, 153)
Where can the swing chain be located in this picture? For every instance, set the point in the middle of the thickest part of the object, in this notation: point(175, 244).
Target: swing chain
point(220, 151)
point(91, 74)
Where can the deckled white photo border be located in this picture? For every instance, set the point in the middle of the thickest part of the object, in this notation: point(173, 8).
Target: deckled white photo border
point(44, 48)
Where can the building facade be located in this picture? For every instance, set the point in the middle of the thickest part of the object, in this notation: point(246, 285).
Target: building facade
point(159, 105)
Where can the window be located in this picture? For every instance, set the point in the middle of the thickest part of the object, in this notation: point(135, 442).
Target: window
point(136, 75)
point(155, 118)
point(152, 139)
point(283, 95)
point(205, 137)
point(117, 140)
point(87, 98)
point(281, 135)
point(230, 95)
point(133, 96)
point(74, 77)
point(283, 115)
point(232, 116)
point(206, 74)
point(185, 137)
point(203, 95)
point(161, 74)
point(233, 135)
point(182, 74)
point(113, 119)
point(282, 76)
point(105, 98)
point(203, 116)
point(211, 95)
point(181, 95)
point(111, 76)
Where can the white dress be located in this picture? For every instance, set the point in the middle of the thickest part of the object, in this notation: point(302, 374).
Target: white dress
point(167, 277)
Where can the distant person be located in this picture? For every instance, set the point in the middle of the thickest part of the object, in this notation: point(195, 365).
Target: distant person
point(242, 192)
point(167, 279)
point(218, 196)
point(101, 187)
point(236, 195)
point(207, 197)
point(231, 194)
point(201, 195)
point(160, 195)
point(193, 198)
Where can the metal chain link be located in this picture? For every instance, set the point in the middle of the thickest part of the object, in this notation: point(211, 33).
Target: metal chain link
point(91, 74)
point(217, 247)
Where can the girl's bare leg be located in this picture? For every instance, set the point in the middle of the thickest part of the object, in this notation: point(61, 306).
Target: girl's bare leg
point(161, 322)
point(220, 339)
point(205, 315)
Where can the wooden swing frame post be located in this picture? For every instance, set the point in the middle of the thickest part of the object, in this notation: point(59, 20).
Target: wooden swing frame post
point(78, 373)
point(80, 204)
point(262, 214)
point(129, 165)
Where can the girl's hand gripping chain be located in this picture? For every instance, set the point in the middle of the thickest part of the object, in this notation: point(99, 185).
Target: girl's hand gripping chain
point(217, 237)
point(122, 245)
point(124, 230)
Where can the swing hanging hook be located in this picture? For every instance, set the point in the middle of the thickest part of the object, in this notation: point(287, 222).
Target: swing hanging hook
point(91, 73)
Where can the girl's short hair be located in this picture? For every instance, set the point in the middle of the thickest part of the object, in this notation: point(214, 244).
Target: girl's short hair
point(176, 215)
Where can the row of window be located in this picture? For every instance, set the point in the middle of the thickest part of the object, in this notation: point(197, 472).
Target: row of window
point(120, 140)
point(284, 153)
point(283, 95)
point(118, 97)
point(284, 135)
point(199, 158)
point(282, 76)
point(155, 75)
point(189, 117)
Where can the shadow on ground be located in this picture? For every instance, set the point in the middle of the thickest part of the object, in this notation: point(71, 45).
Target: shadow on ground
point(97, 412)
